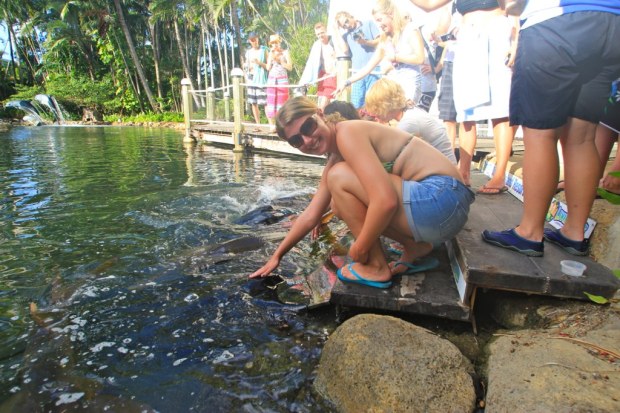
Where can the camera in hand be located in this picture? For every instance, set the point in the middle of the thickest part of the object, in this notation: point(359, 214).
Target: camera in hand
point(358, 34)
point(446, 37)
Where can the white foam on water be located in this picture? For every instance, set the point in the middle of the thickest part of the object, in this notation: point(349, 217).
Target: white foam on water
point(98, 347)
point(179, 361)
point(66, 398)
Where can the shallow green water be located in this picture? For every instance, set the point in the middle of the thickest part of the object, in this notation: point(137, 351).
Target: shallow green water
point(111, 232)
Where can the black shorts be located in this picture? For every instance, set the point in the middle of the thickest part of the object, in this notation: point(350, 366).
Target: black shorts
point(563, 69)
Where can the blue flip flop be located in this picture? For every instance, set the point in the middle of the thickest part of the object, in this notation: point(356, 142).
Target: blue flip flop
point(418, 265)
point(361, 280)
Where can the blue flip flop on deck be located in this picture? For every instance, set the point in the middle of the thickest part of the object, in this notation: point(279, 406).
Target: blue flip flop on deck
point(419, 265)
point(361, 280)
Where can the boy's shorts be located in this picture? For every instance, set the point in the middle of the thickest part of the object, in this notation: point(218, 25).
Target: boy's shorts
point(564, 68)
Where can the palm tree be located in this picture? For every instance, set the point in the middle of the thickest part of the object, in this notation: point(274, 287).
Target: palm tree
point(134, 56)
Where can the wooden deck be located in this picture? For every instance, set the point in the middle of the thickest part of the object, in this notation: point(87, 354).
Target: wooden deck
point(466, 264)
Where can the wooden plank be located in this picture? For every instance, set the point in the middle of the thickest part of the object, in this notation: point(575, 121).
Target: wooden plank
point(496, 268)
point(431, 293)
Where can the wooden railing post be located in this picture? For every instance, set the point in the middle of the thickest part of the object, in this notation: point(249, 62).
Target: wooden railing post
point(187, 108)
point(226, 105)
point(237, 74)
point(343, 72)
point(210, 104)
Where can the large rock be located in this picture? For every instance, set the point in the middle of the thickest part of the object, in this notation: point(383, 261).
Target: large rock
point(542, 371)
point(383, 364)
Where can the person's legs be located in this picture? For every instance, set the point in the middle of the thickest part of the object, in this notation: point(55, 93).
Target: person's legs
point(256, 113)
point(581, 175)
point(467, 144)
point(604, 139)
point(451, 131)
point(503, 135)
point(540, 175)
point(350, 201)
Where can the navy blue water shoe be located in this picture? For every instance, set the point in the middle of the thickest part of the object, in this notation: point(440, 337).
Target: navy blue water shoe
point(509, 239)
point(571, 246)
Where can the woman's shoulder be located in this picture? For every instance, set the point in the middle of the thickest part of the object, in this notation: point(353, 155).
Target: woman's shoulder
point(359, 129)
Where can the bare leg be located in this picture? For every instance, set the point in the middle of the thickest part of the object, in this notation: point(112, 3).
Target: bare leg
point(256, 113)
point(467, 144)
point(322, 102)
point(350, 201)
point(540, 177)
point(451, 131)
point(581, 175)
point(605, 139)
point(503, 135)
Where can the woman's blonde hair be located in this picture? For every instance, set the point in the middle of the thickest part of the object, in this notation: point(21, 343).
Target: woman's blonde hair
point(294, 108)
point(399, 20)
point(385, 96)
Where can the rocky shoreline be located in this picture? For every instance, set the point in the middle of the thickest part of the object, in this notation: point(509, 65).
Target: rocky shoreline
point(532, 354)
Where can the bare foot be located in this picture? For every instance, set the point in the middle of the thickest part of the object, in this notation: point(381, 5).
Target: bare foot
point(611, 184)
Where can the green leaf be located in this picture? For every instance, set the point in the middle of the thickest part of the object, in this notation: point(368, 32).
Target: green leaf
point(597, 298)
point(614, 173)
point(616, 273)
point(610, 196)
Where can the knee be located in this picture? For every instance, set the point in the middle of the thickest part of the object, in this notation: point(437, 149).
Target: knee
point(337, 176)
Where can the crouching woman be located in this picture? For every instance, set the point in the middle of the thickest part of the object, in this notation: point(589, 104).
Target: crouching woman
point(380, 181)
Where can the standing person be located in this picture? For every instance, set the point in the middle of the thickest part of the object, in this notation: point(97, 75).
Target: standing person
point(256, 73)
point(445, 101)
point(484, 54)
point(400, 46)
point(358, 41)
point(567, 57)
point(379, 180)
point(278, 64)
point(428, 75)
point(321, 64)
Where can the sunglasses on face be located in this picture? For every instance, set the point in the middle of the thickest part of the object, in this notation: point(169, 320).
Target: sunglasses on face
point(306, 129)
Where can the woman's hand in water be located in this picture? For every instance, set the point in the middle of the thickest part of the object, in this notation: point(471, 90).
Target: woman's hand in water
point(266, 269)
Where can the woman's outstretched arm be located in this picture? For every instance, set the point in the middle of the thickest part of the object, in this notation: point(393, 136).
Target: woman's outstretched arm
point(305, 222)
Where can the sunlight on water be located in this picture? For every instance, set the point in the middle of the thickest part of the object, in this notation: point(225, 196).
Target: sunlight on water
point(118, 236)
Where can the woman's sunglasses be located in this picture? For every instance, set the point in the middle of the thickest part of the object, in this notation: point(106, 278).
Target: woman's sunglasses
point(306, 129)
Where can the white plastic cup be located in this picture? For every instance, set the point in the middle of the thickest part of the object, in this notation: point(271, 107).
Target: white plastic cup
point(572, 268)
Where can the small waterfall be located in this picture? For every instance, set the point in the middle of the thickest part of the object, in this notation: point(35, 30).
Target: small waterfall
point(51, 103)
point(33, 116)
point(32, 108)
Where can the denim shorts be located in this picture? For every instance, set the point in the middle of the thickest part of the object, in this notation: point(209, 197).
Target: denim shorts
point(436, 207)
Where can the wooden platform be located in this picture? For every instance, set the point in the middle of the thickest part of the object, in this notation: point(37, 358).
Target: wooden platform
point(431, 292)
point(496, 268)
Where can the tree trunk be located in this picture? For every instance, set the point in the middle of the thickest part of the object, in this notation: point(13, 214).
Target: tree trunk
point(155, 47)
point(134, 56)
point(184, 61)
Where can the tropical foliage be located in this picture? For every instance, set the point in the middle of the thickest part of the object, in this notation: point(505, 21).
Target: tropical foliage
point(129, 56)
